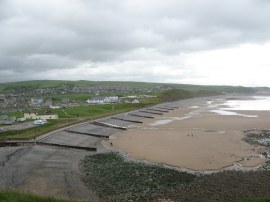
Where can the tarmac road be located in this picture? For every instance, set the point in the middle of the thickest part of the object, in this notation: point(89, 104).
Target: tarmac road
point(43, 170)
point(19, 126)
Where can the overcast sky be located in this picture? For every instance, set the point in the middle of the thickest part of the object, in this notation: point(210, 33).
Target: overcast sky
point(175, 41)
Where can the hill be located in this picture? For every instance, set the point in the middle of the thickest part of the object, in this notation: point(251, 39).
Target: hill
point(27, 86)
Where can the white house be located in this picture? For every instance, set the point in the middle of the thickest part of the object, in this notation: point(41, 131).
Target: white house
point(42, 117)
point(103, 100)
point(96, 100)
point(54, 107)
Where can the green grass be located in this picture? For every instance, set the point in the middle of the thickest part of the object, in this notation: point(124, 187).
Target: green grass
point(114, 179)
point(14, 196)
point(24, 86)
point(30, 85)
point(175, 94)
point(92, 111)
point(80, 98)
point(17, 114)
point(180, 94)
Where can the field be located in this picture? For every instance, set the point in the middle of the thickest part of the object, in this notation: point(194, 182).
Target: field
point(79, 98)
point(93, 111)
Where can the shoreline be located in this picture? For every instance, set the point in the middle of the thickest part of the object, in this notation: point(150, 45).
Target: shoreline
point(195, 138)
point(233, 167)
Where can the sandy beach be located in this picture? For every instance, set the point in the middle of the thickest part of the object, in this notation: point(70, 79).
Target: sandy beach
point(195, 137)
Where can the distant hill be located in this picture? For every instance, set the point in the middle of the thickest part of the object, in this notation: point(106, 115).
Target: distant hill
point(26, 86)
point(22, 86)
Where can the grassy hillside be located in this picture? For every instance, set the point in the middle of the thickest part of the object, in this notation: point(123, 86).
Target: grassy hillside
point(180, 94)
point(23, 86)
point(174, 95)
point(30, 85)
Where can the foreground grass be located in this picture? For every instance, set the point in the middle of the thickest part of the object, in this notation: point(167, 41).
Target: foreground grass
point(13, 196)
point(115, 179)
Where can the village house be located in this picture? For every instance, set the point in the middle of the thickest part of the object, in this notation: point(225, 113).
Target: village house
point(42, 117)
point(35, 102)
point(5, 120)
point(9, 102)
point(3, 104)
point(66, 100)
point(47, 103)
point(103, 100)
point(133, 101)
point(20, 101)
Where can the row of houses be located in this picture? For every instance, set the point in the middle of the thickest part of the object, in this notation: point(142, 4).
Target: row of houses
point(15, 102)
point(9, 102)
point(103, 100)
point(6, 120)
point(112, 99)
point(39, 116)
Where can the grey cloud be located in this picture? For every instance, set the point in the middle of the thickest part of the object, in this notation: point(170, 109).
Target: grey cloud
point(39, 35)
point(215, 23)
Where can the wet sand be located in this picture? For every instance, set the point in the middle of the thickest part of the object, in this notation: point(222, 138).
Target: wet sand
point(196, 138)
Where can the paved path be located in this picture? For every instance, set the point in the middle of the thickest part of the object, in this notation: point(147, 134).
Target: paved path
point(19, 126)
